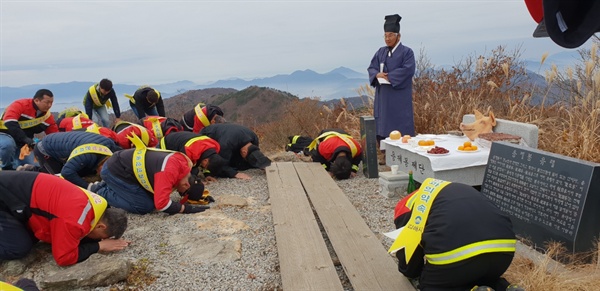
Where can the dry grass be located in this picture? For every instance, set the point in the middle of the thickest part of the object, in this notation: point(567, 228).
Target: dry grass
point(568, 123)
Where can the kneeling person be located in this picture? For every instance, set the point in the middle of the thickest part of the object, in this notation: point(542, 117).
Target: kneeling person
point(74, 154)
point(202, 150)
point(338, 152)
point(37, 206)
point(466, 240)
point(141, 180)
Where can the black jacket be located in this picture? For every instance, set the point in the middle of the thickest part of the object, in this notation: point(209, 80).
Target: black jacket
point(231, 137)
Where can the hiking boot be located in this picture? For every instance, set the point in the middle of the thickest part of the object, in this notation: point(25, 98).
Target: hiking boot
point(28, 167)
point(482, 288)
point(514, 288)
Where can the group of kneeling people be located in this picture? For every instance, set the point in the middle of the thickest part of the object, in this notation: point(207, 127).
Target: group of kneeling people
point(140, 165)
point(87, 176)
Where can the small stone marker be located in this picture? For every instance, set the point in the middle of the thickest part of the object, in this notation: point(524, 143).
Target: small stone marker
point(393, 185)
point(549, 197)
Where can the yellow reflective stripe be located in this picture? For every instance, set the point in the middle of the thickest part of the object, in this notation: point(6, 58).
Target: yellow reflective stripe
point(93, 128)
point(90, 148)
point(200, 114)
point(145, 136)
point(326, 135)
point(130, 97)
point(98, 204)
point(163, 145)
point(77, 122)
point(8, 287)
point(94, 95)
point(411, 201)
point(156, 128)
point(355, 168)
point(410, 237)
point(139, 168)
point(295, 139)
point(139, 163)
point(191, 141)
point(24, 124)
point(471, 250)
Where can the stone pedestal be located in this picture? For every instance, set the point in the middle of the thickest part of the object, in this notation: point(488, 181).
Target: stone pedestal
point(392, 185)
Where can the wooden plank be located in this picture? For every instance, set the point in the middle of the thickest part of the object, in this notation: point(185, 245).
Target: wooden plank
point(366, 262)
point(305, 263)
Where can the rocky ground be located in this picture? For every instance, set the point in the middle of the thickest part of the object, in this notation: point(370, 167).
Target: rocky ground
point(229, 247)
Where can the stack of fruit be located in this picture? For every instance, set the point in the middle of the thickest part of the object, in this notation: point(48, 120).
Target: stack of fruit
point(467, 146)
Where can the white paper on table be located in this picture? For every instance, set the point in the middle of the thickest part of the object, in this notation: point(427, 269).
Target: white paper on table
point(383, 81)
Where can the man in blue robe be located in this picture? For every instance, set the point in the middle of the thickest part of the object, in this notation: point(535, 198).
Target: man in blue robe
point(391, 72)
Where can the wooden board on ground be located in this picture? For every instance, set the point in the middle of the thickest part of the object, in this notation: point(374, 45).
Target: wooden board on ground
point(366, 262)
point(305, 263)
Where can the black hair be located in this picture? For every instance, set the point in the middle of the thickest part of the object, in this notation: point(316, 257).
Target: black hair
point(152, 96)
point(106, 84)
point(341, 167)
point(220, 119)
point(215, 164)
point(212, 111)
point(116, 221)
point(41, 93)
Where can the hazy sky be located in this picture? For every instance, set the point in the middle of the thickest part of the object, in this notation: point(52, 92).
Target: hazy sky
point(156, 42)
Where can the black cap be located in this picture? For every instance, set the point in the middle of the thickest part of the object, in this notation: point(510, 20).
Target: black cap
point(569, 23)
point(212, 110)
point(196, 188)
point(392, 23)
point(256, 158)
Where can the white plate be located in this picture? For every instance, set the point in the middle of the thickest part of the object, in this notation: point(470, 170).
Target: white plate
point(478, 149)
point(423, 148)
point(438, 154)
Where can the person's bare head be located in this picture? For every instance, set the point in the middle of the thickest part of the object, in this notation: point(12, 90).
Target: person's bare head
point(43, 99)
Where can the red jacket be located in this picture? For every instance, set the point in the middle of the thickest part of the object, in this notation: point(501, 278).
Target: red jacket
point(124, 142)
point(60, 212)
point(164, 171)
point(25, 109)
point(66, 124)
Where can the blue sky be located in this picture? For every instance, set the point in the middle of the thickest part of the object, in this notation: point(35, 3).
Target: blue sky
point(156, 42)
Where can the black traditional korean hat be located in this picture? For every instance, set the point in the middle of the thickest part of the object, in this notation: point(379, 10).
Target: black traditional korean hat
point(392, 23)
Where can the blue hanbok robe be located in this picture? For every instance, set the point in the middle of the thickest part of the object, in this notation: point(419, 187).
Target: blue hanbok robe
point(393, 108)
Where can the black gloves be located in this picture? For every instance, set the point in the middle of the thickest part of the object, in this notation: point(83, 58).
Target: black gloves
point(194, 208)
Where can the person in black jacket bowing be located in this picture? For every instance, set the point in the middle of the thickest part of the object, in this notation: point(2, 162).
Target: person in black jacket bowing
point(239, 147)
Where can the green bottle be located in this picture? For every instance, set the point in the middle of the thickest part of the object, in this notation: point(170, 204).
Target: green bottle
point(411, 183)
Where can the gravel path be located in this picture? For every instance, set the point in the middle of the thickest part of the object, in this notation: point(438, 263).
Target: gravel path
point(258, 268)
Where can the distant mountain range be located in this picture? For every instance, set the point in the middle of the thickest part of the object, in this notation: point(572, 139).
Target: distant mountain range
point(341, 82)
point(338, 83)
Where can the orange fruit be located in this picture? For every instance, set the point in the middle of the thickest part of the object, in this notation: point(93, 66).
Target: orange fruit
point(467, 144)
point(423, 142)
point(395, 135)
point(461, 148)
point(467, 149)
point(474, 147)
